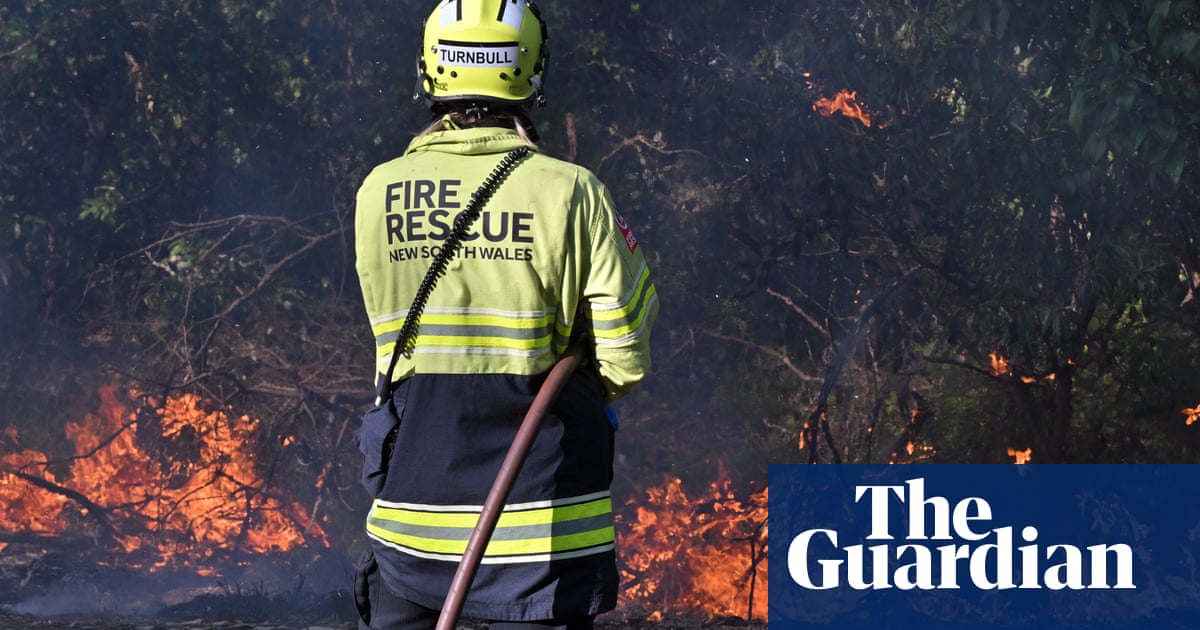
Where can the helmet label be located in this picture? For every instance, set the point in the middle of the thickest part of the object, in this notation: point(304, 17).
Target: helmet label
point(460, 54)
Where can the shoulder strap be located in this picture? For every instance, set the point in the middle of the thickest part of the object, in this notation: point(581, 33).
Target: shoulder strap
point(407, 340)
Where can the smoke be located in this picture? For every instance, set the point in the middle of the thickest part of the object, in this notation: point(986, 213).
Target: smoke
point(62, 590)
point(84, 600)
point(273, 586)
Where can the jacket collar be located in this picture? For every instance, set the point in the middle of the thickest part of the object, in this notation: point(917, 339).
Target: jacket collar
point(472, 141)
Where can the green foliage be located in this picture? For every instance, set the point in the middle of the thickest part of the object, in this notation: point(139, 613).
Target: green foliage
point(1025, 180)
point(176, 190)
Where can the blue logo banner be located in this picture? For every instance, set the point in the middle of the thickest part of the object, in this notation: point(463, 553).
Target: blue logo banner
point(938, 547)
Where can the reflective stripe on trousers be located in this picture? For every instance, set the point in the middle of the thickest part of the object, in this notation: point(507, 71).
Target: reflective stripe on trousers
point(527, 532)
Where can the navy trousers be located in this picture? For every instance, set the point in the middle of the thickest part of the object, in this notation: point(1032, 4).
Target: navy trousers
point(380, 609)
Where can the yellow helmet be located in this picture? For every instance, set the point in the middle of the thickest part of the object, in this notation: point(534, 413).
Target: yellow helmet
point(483, 50)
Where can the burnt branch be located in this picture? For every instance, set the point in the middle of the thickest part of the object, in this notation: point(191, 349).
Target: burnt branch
point(779, 355)
point(273, 269)
point(98, 512)
point(843, 352)
point(918, 418)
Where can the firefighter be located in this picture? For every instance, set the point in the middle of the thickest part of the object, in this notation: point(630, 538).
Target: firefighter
point(547, 262)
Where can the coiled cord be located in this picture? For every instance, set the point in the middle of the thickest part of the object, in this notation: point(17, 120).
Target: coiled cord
point(407, 341)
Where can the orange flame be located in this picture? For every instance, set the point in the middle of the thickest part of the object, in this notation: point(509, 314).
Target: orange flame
point(916, 451)
point(1021, 457)
point(999, 365)
point(1193, 414)
point(199, 494)
point(38, 508)
point(706, 557)
point(843, 103)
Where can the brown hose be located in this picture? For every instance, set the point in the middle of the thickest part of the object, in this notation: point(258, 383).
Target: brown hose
point(494, 504)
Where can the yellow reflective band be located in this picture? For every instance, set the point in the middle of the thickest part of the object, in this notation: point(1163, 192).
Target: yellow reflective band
point(510, 517)
point(632, 326)
point(483, 342)
point(562, 329)
point(471, 331)
point(498, 548)
point(388, 328)
point(466, 322)
point(568, 527)
point(551, 544)
point(619, 320)
point(624, 307)
point(498, 321)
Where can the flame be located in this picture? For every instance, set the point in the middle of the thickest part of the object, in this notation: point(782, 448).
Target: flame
point(1193, 414)
point(916, 451)
point(913, 447)
point(37, 507)
point(999, 365)
point(1021, 457)
point(176, 484)
point(703, 557)
point(843, 103)
point(803, 442)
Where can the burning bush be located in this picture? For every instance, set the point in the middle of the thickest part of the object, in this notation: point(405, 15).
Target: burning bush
point(169, 484)
point(684, 557)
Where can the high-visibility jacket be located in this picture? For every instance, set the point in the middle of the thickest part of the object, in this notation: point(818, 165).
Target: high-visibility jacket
point(547, 248)
point(547, 259)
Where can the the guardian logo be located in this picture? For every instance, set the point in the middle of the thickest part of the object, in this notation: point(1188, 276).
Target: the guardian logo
point(940, 545)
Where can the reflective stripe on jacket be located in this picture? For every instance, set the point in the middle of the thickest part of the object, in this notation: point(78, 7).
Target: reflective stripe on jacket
point(549, 258)
point(548, 248)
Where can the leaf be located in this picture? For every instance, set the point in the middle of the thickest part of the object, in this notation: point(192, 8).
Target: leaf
point(1125, 97)
point(1120, 13)
point(1154, 25)
point(1176, 160)
point(1096, 15)
point(1095, 148)
point(1188, 43)
point(1165, 131)
point(1079, 106)
point(1137, 135)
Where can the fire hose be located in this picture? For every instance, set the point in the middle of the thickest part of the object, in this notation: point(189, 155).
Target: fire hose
point(494, 505)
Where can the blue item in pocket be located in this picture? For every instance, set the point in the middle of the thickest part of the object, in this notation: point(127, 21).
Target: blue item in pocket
point(612, 418)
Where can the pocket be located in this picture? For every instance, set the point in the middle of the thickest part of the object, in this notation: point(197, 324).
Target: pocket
point(365, 577)
point(376, 439)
